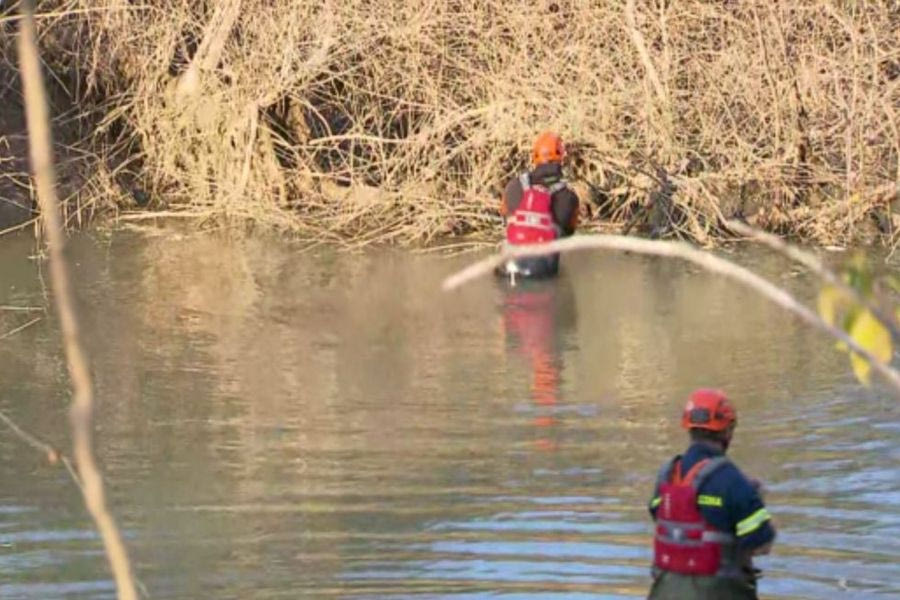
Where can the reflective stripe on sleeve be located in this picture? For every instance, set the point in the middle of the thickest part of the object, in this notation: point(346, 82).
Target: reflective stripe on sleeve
point(704, 500)
point(753, 522)
point(655, 502)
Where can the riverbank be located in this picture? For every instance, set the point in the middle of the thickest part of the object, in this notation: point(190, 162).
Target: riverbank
point(402, 126)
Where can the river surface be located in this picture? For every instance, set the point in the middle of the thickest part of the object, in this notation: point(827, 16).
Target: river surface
point(280, 424)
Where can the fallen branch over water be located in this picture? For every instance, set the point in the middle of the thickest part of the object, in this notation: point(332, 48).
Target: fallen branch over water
point(81, 415)
point(812, 262)
point(706, 260)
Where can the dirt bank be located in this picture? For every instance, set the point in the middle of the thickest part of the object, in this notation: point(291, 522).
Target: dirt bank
point(15, 200)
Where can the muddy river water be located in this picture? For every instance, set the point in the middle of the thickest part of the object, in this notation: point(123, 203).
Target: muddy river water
point(281, 424)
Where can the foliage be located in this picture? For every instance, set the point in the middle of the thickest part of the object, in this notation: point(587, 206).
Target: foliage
point(856, 315)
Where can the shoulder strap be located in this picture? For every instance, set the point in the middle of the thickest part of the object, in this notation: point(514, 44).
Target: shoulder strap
point(525, 180)
point(558, 186)
point(709, 467)
point(665, 472)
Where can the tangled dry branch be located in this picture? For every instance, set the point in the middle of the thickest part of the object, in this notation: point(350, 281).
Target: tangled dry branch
point(340, 119)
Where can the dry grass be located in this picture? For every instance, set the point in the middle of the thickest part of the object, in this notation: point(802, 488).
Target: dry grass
point(400, 120)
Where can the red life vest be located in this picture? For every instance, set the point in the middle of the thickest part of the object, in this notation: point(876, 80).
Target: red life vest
point(684, 542)
point(532, 221)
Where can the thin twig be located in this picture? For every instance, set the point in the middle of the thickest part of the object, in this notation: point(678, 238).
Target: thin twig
point(164, 214)
point(812, 262)
point(72, 12)
point(708, 261)
point(81, 414)
point(12, 332)
point(49, 451)
point(19, 227)
point(641, 48)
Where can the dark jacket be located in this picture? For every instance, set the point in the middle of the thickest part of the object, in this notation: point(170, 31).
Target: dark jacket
point(741, 511)
point(564, 202)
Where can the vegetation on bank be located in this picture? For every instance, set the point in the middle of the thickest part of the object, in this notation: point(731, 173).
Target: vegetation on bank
point(401, 121)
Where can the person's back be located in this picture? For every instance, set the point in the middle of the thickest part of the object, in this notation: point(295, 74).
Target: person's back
point(539, 207)
point(710, 518)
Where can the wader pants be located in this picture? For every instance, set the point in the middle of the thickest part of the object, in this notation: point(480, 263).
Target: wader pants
point(532, 267)
point(674, 586)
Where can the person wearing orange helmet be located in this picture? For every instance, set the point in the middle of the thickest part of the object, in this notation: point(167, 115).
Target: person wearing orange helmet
point(539, 206)
point(710, 518)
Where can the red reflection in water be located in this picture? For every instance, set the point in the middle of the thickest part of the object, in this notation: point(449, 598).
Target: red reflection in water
point(530, 321)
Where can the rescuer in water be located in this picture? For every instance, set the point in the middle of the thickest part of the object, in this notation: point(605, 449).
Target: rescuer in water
point(539, 206)
point(710, 518)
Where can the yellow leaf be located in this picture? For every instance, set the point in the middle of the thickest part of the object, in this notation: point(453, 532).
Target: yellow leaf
point(828, 301)
point(868, 332)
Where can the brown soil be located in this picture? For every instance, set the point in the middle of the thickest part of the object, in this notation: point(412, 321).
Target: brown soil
point(15, 199)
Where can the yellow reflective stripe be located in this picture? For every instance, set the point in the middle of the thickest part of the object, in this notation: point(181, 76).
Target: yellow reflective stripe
point(704, 500)
point(655, 502)
point(753, 522)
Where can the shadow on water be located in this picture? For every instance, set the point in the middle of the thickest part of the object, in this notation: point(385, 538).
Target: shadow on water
point(275, 425)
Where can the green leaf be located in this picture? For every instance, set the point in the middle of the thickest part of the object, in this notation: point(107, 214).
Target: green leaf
point(858, 274)
point(868, 332)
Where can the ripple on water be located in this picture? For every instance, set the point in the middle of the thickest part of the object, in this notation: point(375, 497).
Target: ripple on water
point(275, 425)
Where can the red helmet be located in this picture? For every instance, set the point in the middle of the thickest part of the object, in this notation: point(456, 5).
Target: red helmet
point(548, 147)
point(708, 409)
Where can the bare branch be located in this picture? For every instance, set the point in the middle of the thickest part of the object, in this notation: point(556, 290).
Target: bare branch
point(81, 414)
point(210, 51)
point(641, 48)
point(812, 262)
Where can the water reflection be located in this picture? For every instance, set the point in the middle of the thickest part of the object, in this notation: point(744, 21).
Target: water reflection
point(275, 424)
point(537, 317)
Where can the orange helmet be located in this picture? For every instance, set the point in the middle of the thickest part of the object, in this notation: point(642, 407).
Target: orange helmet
point(708, 409)
point(548, 147)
